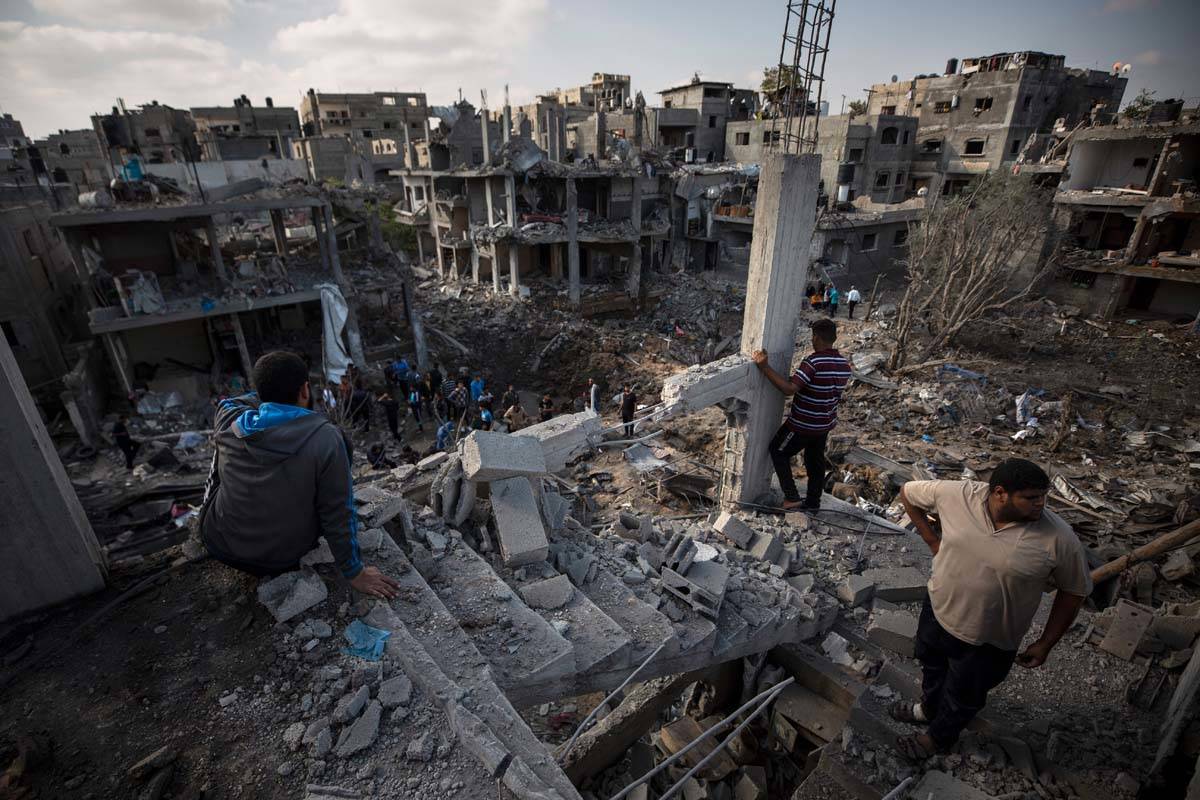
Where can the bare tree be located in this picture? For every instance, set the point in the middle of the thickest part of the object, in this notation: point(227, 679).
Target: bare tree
point(965, 256)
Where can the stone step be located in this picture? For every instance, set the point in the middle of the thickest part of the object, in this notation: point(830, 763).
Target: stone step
point(599, 641)
point(430, 628)
point(521, 646)
point(646, 627)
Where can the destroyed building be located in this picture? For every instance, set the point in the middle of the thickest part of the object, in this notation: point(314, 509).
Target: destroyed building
point(158, 134)
point(988, 112)
point(76, 158)
point(695, 114)
point(243, 131)
point(1130, 207)
point(606, 92)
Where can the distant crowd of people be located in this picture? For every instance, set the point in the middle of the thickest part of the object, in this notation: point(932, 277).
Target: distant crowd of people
point(827, 298)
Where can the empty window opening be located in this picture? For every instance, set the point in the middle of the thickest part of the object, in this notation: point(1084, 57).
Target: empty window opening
point(941, 107)
point(899, 179)
point(389, 101)
point(1141, 162)
point(982, 104)
point(742, 138)
point(973, 147)
point(712, 121)
point(887, 110)
point(1016, 147)
point(905, 139)
point(882, 179)
point(770, 136)
point(868, 242)
point(64, 148)
point(890, 135)
point(931, 146)
point(1027, 103)
point(855, 154)
point(900, 238)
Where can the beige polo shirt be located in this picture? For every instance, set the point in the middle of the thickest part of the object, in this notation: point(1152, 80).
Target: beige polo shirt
point(987, 583)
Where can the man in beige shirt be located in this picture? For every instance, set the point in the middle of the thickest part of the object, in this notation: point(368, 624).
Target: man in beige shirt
point(998, 550)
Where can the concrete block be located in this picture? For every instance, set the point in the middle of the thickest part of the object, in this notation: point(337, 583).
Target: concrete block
point(802, 583)
point(292, 593)
point(350, 706)
point(1177, 566)
point(752, 785)
point(432, 462)
point(564, 438)
point(518, 522)
point(734, 529)
point(766, 547)
point(395, 691)
point(943, 787)
point(549, 594)
point(856, 590)
point(898, 584)
point(490, 456)
point(466, 502)
point(895, 630)
point(703, 588)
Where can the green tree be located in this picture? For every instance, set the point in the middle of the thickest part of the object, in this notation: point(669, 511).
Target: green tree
point(857, 108)
point(770, 83)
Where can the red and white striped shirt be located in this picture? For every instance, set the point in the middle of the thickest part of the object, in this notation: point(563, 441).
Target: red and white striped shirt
point(820, 380)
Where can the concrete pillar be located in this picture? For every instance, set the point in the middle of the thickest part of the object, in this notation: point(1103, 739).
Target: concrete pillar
point(491, 205)
point(514, 270)
point(510, 200)
point(277, 227)
point(633, 280)
point(235, 320)
point(420, 250)
point(48, 553)
point(318, 223)
point(506, 130)
point(441, 258)
point(409, 153)
point(474, 264)
point(784, 219)
point(556, 267)
point(353, 336)
point(214, 246)
point(573, 288)
point(116, 354)
point(601, 133)
point(483, 125)
point(495, 268)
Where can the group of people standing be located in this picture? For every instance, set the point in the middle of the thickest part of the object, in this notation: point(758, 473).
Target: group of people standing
point(827, 298)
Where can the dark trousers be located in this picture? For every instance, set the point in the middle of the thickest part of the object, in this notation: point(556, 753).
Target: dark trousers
point(833, 309)
point(129, 448)
point(955, 677)
point(786, 444)
point(393, 421)
point(850, 304)
point(628, 426)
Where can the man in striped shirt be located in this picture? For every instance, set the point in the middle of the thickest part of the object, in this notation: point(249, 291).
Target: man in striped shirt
point(815, 389)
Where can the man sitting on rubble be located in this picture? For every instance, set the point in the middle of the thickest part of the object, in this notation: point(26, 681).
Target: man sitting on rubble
point(280, 479)
point(997, 551)
point(815, 389)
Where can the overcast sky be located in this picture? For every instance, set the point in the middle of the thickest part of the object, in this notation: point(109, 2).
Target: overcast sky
point(65, 59)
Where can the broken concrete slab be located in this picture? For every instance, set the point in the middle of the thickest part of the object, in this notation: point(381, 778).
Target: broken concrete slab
point(564, 437)
point(811, 712)
point(856, 590)
point(492, 456)
point(432, 462)
point(1126, 631)
point(466, 503)
point(555, 509)
point(734, 529)
point(1177, 566)
point(765, 547)
point(944, 787)
point(395, 691)
point(894, 630)
point(292, 593)
point(362, 733)
point(599, 643)
point(519, 525)
point(898, 584)
point(707, 384)
point(646, 627)
point(350, 706)
point(321, 554)
point(549, 594)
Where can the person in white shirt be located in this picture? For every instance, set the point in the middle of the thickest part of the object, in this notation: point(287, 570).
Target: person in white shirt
point(852, 299)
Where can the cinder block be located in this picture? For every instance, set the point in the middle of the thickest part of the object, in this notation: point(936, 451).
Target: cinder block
point(766, 547)
point(898, 584)
point(895, 630)
point(703, 588)
point(856, 590)
point(734, 529)
point(491, 456)
point(518, 522)
point(549, 594)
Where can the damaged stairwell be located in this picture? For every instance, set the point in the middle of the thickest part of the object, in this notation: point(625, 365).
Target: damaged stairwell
point(507, 600)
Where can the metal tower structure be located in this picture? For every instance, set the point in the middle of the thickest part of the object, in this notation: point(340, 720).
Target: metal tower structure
point(801, 75)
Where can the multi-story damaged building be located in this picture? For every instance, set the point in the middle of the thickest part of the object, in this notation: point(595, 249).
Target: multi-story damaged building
point(157, 133)
point(992, 111)
point(366, 114)
point(694, 116)
point(76, 157)
point(1129, 203)
point(243, 131)
point(606, 92)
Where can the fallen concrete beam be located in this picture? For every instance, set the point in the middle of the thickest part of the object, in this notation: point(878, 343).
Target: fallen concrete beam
point(708, 384)
point(565, 437)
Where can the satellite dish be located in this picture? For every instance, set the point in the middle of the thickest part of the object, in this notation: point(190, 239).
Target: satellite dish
point(1125, 69)
point(895, 78)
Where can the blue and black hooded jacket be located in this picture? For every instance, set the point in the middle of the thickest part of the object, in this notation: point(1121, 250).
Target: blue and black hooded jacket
point(280, 478)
